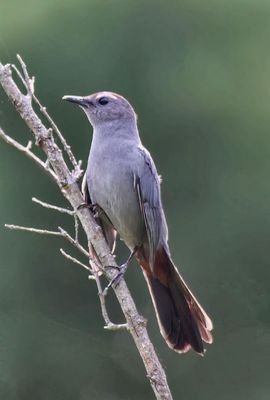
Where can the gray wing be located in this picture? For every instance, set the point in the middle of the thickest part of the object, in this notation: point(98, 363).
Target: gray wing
point(106, 225)
point(85, 191)
point(147, 184)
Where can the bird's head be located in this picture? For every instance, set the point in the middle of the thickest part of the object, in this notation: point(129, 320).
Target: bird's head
point(104, 107)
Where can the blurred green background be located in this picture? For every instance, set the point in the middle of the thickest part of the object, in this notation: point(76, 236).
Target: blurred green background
point(197, 73)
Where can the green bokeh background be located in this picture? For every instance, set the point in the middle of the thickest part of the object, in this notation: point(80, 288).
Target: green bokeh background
point(197, 73)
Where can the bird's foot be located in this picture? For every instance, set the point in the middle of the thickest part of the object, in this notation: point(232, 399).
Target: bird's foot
point(115, 281)
point(121, 271)
point(85, 205)
point(96, 210)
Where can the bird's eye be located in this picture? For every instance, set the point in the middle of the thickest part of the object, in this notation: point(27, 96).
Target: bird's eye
point(103, 101)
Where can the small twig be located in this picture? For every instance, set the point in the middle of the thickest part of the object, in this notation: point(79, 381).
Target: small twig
point(75, 261)
point(102, 299)
point(14, 67)
point(33, 230)
point(109, 325)
point(58, 133)
point(27, 151)
point(76, 227)
point(94, 276)
point(29, 146)
point(64, 211)
point(29, 81)
point(116, 327)
point(53, 207)
point(77, 171)
point(73, 241)
point(29, 85)
point(61, 233)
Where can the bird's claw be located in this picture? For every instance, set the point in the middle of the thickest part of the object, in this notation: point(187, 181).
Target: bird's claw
point(121, 271)
point(96, 210)
point(115, 281)
point(85, 205)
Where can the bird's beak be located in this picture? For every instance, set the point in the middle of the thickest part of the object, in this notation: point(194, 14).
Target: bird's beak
point(82, 101)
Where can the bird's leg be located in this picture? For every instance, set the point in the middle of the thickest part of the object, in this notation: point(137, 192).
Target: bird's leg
point(96, 210)
point(121, 271)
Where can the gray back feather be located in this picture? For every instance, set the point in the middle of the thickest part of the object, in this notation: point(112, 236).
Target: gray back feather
point(148, 187)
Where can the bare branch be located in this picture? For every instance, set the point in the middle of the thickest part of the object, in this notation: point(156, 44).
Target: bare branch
point(76, 227)
point(73, 241)
point(94, 276)
point(67, 148)
point(29, 81)
point(13, 66)
point(109, 325)
point(61, 233)
point(29, 85)
point(29, 145)
point(75, 261)
point(27, 151)
point(33, 230)
point(64, 211)
point(53, 207)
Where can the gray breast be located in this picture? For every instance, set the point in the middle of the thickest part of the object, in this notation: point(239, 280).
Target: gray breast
point(111, 186)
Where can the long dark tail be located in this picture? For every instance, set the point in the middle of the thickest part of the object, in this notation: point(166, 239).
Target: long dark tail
point(182, 321)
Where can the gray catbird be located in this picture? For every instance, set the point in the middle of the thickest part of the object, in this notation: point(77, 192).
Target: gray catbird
point(122, 181)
